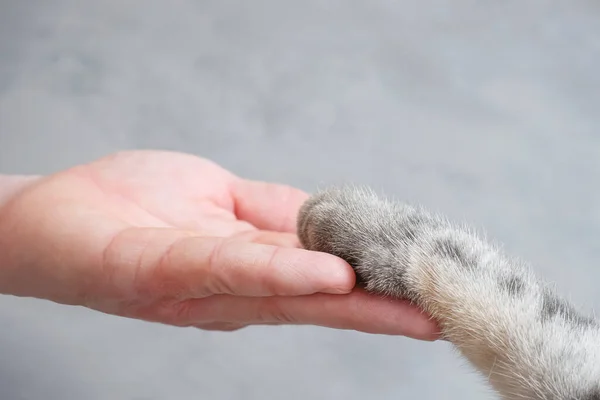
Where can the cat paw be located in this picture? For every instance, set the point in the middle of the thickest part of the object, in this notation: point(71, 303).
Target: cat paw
point(369, 233)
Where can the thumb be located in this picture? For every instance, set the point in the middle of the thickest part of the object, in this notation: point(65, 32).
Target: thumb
point(167, 263)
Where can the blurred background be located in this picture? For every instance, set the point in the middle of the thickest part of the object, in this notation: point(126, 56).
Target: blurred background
point(486, 111)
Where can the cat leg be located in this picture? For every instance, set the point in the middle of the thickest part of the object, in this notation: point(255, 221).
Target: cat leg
point(512, 327)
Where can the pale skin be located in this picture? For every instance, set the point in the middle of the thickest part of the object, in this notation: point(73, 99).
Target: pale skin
point(175, 239)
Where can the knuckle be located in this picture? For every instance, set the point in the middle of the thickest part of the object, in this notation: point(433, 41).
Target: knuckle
point(271, 310)
point(175, 314)
point(181, 313)
point(109, 258)
point(163, 276)
point(214, 277)
point(270, 270)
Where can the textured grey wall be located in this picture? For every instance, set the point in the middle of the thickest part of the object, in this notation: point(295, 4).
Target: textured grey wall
point(486, 111)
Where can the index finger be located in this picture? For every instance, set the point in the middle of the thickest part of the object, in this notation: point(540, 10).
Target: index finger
point(267, 206)
point(173, 264)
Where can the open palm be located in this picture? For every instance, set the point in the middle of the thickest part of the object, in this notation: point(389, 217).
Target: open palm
point(173, 238)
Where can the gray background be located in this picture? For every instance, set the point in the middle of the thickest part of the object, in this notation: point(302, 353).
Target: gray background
point(486, 111)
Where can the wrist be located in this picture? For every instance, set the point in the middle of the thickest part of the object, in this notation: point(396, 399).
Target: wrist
point(11, 185)
point(10, 188)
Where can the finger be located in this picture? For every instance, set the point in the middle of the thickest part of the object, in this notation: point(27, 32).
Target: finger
point(281, 239)
point(267, 206)
point(220, 326)
point(165, 263)
point(355, 311)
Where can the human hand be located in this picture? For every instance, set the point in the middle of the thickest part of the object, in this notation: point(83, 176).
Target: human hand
point(176, 239)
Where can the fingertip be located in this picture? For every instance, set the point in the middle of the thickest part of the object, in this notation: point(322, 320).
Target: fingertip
point(410, 321)
point(337, 275)
point(425, 328)
point(371, 313)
